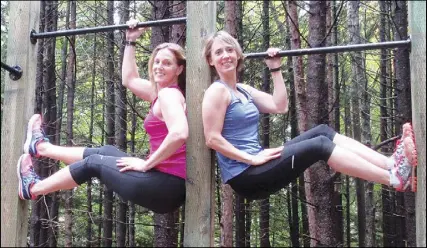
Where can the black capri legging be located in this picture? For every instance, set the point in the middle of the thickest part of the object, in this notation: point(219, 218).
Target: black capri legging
point(298, 154)
point(155, 190)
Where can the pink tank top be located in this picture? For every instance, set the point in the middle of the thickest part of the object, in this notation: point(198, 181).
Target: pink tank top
point(157, 131)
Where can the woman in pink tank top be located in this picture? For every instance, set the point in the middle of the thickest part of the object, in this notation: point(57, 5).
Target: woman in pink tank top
point(156, 182)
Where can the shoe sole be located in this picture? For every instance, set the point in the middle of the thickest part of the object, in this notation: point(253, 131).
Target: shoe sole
point(29, 133)
point(18, 172)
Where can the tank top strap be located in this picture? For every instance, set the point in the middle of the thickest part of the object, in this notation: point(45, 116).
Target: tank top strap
point(233, 96)
point(244, 91)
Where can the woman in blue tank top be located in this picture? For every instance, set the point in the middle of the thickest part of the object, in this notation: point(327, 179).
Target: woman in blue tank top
point(231, 115)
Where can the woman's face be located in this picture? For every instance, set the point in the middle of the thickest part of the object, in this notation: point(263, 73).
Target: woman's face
point(223, 57)
point(165, 68)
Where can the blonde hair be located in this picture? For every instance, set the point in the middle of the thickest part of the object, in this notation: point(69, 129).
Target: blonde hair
point(227, 38)
point(179, 54)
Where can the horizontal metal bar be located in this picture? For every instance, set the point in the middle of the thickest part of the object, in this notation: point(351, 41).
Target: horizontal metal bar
point(334, 49)
point(15, 72)
point(58, 33)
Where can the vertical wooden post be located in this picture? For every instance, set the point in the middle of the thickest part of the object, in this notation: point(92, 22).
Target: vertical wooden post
point(417, 29)
point(18, 107)
point(199, 205)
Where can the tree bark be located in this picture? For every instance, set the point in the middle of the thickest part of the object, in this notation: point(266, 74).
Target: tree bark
point(300, 105)
point(265, 127)
point(71, 84)
point(320, 191)
point(109, 121)
point(354, 36)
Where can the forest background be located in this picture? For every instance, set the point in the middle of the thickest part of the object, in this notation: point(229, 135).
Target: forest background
point(365, 95)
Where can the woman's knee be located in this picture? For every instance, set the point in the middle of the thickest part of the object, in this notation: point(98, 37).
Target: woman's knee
point(92, 164)
point(325, 146)
point(327, 131)
point(85, 169)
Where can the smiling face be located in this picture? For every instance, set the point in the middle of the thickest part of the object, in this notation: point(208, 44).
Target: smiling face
point(165, 68)
point(223, 57)
point(223, 53)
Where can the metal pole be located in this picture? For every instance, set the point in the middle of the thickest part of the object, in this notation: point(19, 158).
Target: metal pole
point(334, 49)
point(15, 72)
point(34, 36)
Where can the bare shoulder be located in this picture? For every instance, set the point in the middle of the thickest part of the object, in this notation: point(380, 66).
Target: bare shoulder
point(217, 90)
point(170, 94)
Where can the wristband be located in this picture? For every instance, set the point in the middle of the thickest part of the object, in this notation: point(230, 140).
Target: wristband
point(276, 69)
point(130, 43)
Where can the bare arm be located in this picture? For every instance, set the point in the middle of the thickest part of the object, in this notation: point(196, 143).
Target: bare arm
point(142, 88)
point(278, 101)
point(214, 106)
point(172, 105)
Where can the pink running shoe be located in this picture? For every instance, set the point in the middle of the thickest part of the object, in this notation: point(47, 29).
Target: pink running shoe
point(405, 169)
point(35, 135)
point(407, 131)
point(27, 177)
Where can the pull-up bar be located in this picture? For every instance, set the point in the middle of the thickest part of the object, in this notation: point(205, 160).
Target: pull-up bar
point(34, 36)
point(334, 49)
point(15, 72)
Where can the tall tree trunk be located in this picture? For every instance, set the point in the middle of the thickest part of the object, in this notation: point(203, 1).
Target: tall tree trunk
point(71, 85)
point(293, 187)
point(386, 192)
point(110, 130)
point(120, 130)
point(177, 34)
point(403, 111)
point(300, 105)
point(366, 139)
point(167, 234)
point(49, 205)
point(89, 241)
point(333, 107)
point(335, 119)
point(348, 133)
point(320, 191)
point(300, 84)
point(354, 34)
point(265, 126)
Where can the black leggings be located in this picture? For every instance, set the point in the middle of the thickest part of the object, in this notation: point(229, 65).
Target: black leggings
point(155, 190)
point(298, 154)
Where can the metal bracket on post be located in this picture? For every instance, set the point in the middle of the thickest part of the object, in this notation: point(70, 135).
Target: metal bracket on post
point(15, 72)
point(32, 39)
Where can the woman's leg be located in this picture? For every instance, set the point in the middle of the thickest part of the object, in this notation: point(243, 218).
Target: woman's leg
point(30, 184)
point(260, 181)
point(369, 154)
point(61, 180)
point(354, 146)
point(349, 163)
point(66, 154)
point(155, 190)
point(38, 145)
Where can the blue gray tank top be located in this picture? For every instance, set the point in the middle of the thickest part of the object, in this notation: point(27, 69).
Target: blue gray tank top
point(240, 128)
